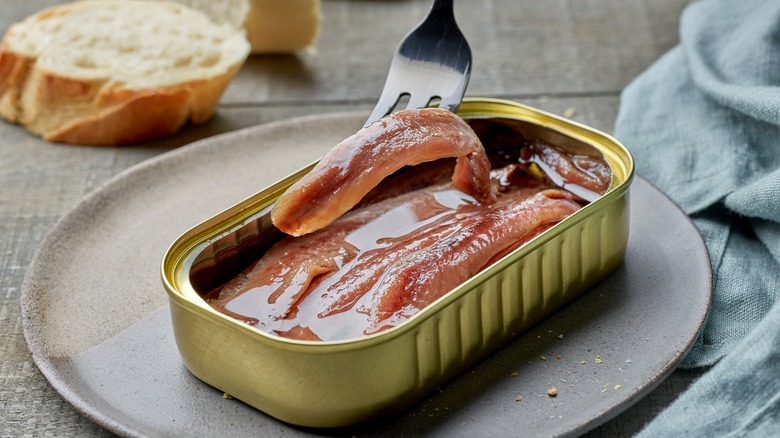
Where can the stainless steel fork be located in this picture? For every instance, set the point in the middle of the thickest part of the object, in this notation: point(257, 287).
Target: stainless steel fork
point(432, 62)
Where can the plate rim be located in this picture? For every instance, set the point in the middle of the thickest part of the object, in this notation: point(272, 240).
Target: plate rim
point(46, 363)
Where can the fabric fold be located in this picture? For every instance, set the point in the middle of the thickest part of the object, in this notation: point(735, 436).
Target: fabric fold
point(739, 397)
point(703, 124)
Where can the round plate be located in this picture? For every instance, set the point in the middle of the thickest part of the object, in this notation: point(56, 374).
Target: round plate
point(97, 323)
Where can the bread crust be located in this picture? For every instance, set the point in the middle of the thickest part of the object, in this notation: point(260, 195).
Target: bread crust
point(14, 70)
point(124, 116)
point(138, 118)
point(272, 28)
point(66, 109)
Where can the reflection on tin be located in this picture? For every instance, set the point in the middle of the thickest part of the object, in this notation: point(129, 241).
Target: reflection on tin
point(383, 262)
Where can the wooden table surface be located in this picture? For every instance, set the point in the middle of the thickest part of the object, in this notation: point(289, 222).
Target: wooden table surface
point(569, 57)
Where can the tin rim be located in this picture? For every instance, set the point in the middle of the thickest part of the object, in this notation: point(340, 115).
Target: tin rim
point(178, 257)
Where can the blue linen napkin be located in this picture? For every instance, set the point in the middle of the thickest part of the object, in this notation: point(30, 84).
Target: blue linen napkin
point(704, 126)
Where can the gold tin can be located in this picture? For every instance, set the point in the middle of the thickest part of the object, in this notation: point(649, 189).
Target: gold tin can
point(340, 383)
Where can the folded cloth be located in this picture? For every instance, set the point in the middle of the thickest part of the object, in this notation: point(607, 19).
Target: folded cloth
point(740, 396)
point(704, 126)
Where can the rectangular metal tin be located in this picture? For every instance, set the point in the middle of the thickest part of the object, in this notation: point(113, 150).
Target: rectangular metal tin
point(331, 384)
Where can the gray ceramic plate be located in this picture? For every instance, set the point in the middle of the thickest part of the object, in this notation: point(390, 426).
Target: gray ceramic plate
point(96, 317)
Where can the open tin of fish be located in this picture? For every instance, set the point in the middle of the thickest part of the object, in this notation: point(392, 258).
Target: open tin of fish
point(340, 383)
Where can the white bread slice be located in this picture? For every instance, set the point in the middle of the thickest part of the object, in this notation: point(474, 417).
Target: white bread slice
point(116, 72)
point(272, 26)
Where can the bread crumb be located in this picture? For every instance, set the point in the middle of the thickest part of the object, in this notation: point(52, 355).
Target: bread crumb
point(628, 361)
point(552, 392)
point(597, 360)
point(560, 336)
point(519, 398)
point(582, 362)
point(570, 112)
point(542, 357)
point(558, 357)
point(227, 396)
point(617, 387)
point(514, 374)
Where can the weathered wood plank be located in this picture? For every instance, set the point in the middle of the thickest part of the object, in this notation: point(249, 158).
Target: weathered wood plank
point(520, 48)
point(558, 55)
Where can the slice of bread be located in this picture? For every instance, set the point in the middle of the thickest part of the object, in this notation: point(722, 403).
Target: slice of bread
point(103, 72)
point(272, 26)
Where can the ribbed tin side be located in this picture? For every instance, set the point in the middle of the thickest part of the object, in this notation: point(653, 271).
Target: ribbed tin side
point(364, 378)
point(521, 293)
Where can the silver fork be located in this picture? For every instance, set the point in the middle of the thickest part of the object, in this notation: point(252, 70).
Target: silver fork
point(432, 62)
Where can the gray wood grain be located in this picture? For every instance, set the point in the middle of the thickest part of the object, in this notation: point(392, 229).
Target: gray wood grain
point(564, 56)
point(520, 49)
